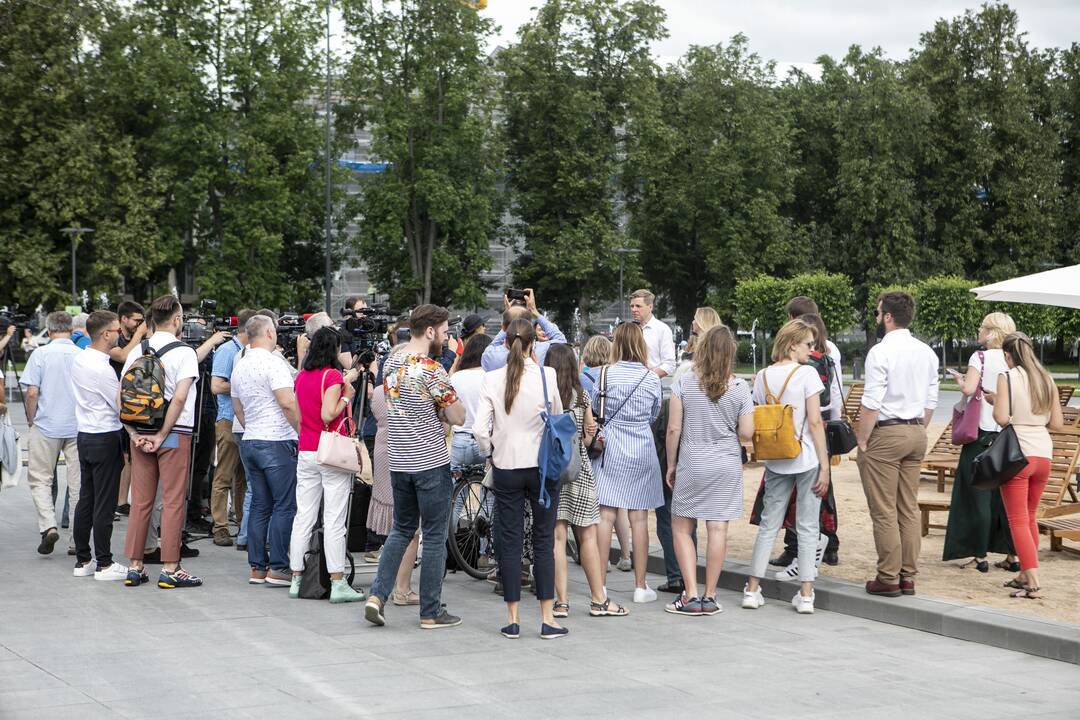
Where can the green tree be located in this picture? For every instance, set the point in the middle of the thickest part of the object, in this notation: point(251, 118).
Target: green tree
point(576, 75)
point(709, 169)
point(947, 310)
point(1069, 113)
point(833, 294)
point(761, 299)
point(419, 78)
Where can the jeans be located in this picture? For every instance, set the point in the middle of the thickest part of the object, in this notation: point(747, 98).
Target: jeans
point(807, 520)
point(663, 532)
point(514, 488)
point(271, 475)
point(421, 500)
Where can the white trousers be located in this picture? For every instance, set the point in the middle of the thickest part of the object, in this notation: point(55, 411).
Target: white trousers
point(43, 452)
point(316, 482)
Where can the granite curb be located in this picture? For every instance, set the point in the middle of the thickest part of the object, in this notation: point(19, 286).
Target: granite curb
point(988, 626)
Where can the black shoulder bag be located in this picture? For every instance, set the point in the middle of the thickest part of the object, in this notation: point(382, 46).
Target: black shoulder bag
point(1000, 462)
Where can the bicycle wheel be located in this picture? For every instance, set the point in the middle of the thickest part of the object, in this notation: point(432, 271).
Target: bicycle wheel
point(472, 508)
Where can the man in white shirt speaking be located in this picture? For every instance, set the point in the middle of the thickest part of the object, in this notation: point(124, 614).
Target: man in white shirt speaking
point(658, 337)
point(899, 398)
point(97, 414)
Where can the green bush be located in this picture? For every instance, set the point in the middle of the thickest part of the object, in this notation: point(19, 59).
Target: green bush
point(763, 298)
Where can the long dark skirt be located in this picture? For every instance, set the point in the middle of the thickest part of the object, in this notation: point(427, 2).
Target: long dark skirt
point(977, 521)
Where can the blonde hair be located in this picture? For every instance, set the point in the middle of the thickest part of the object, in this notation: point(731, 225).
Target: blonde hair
point(1043, 390)
point(714, 361)
point(628, 344)
point(998, 325)
point(596, 351)
point(794, 332)
point(706, 318)
point(644, 295)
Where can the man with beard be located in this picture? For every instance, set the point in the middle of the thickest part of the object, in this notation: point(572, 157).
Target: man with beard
point(419, 399)
point(898, 401)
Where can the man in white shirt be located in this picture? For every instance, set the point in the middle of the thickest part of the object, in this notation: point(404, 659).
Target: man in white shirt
point(265, 405)
point(899, 398)
point(97, 413)
point(658, 337)
point(164, 456)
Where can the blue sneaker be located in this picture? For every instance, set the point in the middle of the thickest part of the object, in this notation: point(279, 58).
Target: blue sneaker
point(178, 578)
point(685, 606)
point(512, 631)
point(135, 578)
point(548, 632)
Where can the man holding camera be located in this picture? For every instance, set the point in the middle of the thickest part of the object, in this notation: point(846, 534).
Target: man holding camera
point(520, 303)
point(50, 413)
point(228, 473)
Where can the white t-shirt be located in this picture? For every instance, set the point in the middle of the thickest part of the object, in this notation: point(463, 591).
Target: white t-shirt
point(467, 385)
point(804, 383)
point(254, 380)
point(179, 363)
point(97, 392)
point(995, 365)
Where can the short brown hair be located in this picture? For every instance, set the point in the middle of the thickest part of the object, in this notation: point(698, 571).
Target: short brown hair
point(99, 320)
point(267, 312)
point(163, 309)
point(900, 305)
point(242, 317)
point(511, 314)
point(628, 344)
point(426, 316)
point(801, 305)
point(645, 295)
point(794, 332)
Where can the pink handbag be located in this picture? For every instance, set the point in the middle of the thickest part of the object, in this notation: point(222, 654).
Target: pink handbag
point(966, 413)
point(343, 452)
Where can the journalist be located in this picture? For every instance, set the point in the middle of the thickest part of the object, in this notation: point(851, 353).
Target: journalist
point(496, 354)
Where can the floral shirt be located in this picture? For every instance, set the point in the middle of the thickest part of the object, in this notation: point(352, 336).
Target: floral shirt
point(416, 387)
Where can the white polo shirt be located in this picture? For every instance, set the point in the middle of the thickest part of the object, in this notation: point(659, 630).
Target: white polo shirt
point(661, 344)
point(901, 377)
point(254, 380)
point(97, 392)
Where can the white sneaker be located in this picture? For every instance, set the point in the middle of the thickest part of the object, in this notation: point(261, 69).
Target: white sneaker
point(752, 600)
point(116, 571)
point(85, 570)
point(791, 572)
point(819, 552)
point(802, 604)
point(624, 565)
point(644, 595)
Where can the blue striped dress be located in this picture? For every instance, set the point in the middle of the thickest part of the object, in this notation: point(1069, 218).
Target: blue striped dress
point(628, 473)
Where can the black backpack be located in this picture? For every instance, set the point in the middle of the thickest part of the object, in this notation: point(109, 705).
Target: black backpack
point(826, 370)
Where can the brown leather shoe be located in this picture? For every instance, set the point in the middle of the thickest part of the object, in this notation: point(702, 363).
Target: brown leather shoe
point(875, 587)
point(907, 586)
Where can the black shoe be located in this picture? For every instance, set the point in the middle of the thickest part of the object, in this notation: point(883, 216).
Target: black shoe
point(242, 547)
point(785, 558)
point(831, 558)
point(676, 588)
point(123, 509)
point(188, 552)
point(199, 526)
point(49, 539)
point(152, 558)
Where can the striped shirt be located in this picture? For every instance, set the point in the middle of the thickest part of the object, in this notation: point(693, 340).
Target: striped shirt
point(416, 388)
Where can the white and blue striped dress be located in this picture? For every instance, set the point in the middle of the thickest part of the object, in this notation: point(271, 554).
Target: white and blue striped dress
point(628, 473)
point(708, 478)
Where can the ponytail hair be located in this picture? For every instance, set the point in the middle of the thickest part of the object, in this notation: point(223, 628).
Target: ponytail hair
point(519, 341)
point(1043, 390)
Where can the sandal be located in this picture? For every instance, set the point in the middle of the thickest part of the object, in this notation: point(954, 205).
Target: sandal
point(1015, 584)
point(561, 610)
point(1006, 565)
point(604, 609)
point(1028, 593)
point(409, 598)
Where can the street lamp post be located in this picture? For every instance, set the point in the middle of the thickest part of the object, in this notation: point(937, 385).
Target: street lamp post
point(326, 242)
point(623, 252)
point(74, 232)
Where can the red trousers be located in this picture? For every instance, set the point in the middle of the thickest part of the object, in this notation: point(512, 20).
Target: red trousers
point(170, 468)
point(1021, 496)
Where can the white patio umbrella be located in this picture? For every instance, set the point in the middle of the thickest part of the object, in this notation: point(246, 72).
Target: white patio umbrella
point(1059, 287)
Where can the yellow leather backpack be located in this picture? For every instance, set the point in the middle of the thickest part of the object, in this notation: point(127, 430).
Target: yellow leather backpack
point(774, 425)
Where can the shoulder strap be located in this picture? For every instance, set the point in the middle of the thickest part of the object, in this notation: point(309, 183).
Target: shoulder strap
point(1008, 380)
point(791, 374)
point(603, 392)
point(630, 394)
point(173, 346)
point(543, 381)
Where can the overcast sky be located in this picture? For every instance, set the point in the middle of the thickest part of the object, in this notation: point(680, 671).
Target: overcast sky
point(796, 32)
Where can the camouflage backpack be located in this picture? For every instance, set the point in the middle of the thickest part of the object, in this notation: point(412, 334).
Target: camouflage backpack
point(142, 390)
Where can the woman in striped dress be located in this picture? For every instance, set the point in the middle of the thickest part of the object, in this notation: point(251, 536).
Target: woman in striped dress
point(628, 472)
point(709, 412)
point(578, 505)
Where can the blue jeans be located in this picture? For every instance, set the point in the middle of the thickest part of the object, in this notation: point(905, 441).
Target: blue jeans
point(421, 500)
point(271, 473)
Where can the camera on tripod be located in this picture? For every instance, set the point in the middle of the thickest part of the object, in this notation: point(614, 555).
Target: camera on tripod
point(290, 326)
point(10, 317)
point(364, 331)
point(200, 324)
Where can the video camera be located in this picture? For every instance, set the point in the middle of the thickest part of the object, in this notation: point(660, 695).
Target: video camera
point(10, 317)
point(207, 319)
point(290, 326)
point(363, 331)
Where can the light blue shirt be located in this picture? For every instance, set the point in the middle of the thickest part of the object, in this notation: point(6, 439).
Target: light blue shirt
point(495, 355)
point(49, 370)
point(224, 359)
point(81, 339)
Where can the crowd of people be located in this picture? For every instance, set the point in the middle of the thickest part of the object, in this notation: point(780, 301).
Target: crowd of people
point(655, 432)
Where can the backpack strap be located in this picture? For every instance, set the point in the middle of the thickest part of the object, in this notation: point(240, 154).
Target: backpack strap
point(783, 388)
point(167, 348)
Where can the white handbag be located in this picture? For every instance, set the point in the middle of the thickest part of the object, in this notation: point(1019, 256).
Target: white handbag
point(343, 452)
point(10, 454)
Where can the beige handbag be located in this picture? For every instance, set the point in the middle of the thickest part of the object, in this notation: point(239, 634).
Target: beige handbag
point(343, 452)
